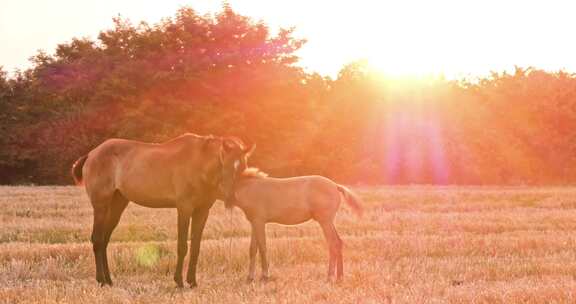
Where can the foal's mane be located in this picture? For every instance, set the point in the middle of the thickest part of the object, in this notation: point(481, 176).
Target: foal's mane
point(253, 172)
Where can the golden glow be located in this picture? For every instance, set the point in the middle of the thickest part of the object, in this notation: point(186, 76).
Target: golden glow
point(402, 66)
point(451, 37)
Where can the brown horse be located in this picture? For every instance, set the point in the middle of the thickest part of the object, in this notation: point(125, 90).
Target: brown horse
point(291, 201)
point(186, 173)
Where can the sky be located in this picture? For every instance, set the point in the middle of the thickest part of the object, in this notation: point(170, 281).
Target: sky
point(458, 38)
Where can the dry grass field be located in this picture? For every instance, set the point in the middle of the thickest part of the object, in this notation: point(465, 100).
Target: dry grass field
point(413, 245)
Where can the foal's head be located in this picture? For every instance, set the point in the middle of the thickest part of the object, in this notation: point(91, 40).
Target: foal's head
point(233, 160)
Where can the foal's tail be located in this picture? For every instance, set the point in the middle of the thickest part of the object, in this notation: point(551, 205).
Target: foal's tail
point(77, 169)
point(351, 199)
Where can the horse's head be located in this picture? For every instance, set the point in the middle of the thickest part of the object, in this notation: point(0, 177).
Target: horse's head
point(233, 160)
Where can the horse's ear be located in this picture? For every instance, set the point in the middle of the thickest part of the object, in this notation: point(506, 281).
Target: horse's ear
point(221, 155)
point(229, 145)
point(249, 150)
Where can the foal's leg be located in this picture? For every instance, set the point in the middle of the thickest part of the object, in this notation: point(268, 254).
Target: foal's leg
point(253, 251)
point(183, 227)
point(199, 218)
point(259, 229)
point(340, 262)
point(334, 248)
point(113, 217)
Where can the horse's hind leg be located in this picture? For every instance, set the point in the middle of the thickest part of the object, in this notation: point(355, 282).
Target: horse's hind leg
point(334, 248)
point(114, 213)
point(97, 238)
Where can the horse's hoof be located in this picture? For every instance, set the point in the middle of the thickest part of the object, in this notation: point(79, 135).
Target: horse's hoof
point(104, 283)
point(266, 279)
point(193, 285)
point(249, 280)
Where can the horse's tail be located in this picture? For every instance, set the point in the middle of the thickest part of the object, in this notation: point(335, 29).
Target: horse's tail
point(77, 169)
point(351, 199)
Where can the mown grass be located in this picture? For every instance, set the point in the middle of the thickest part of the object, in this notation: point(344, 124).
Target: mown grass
point(413, 245)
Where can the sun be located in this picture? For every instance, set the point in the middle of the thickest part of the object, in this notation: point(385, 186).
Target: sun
point(400, 67)
point(412, 60)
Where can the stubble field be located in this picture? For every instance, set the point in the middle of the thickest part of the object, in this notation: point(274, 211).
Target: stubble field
point(413, 245)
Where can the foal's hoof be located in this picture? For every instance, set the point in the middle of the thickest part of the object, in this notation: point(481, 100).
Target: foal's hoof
point(331, 279)
point(249, 280)
point(266, 279)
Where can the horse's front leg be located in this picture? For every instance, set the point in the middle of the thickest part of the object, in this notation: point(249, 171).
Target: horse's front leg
point(199, 217)
point(259, 229)
point(253, 251)
point(183, 227)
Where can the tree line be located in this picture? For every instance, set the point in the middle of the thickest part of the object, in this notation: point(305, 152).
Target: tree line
point(229, 75)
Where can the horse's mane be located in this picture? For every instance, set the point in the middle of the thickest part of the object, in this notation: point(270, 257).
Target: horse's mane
point(253, 172)
point(208, 139)
point(189, 135)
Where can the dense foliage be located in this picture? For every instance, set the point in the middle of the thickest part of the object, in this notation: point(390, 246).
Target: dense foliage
point(228, 75)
